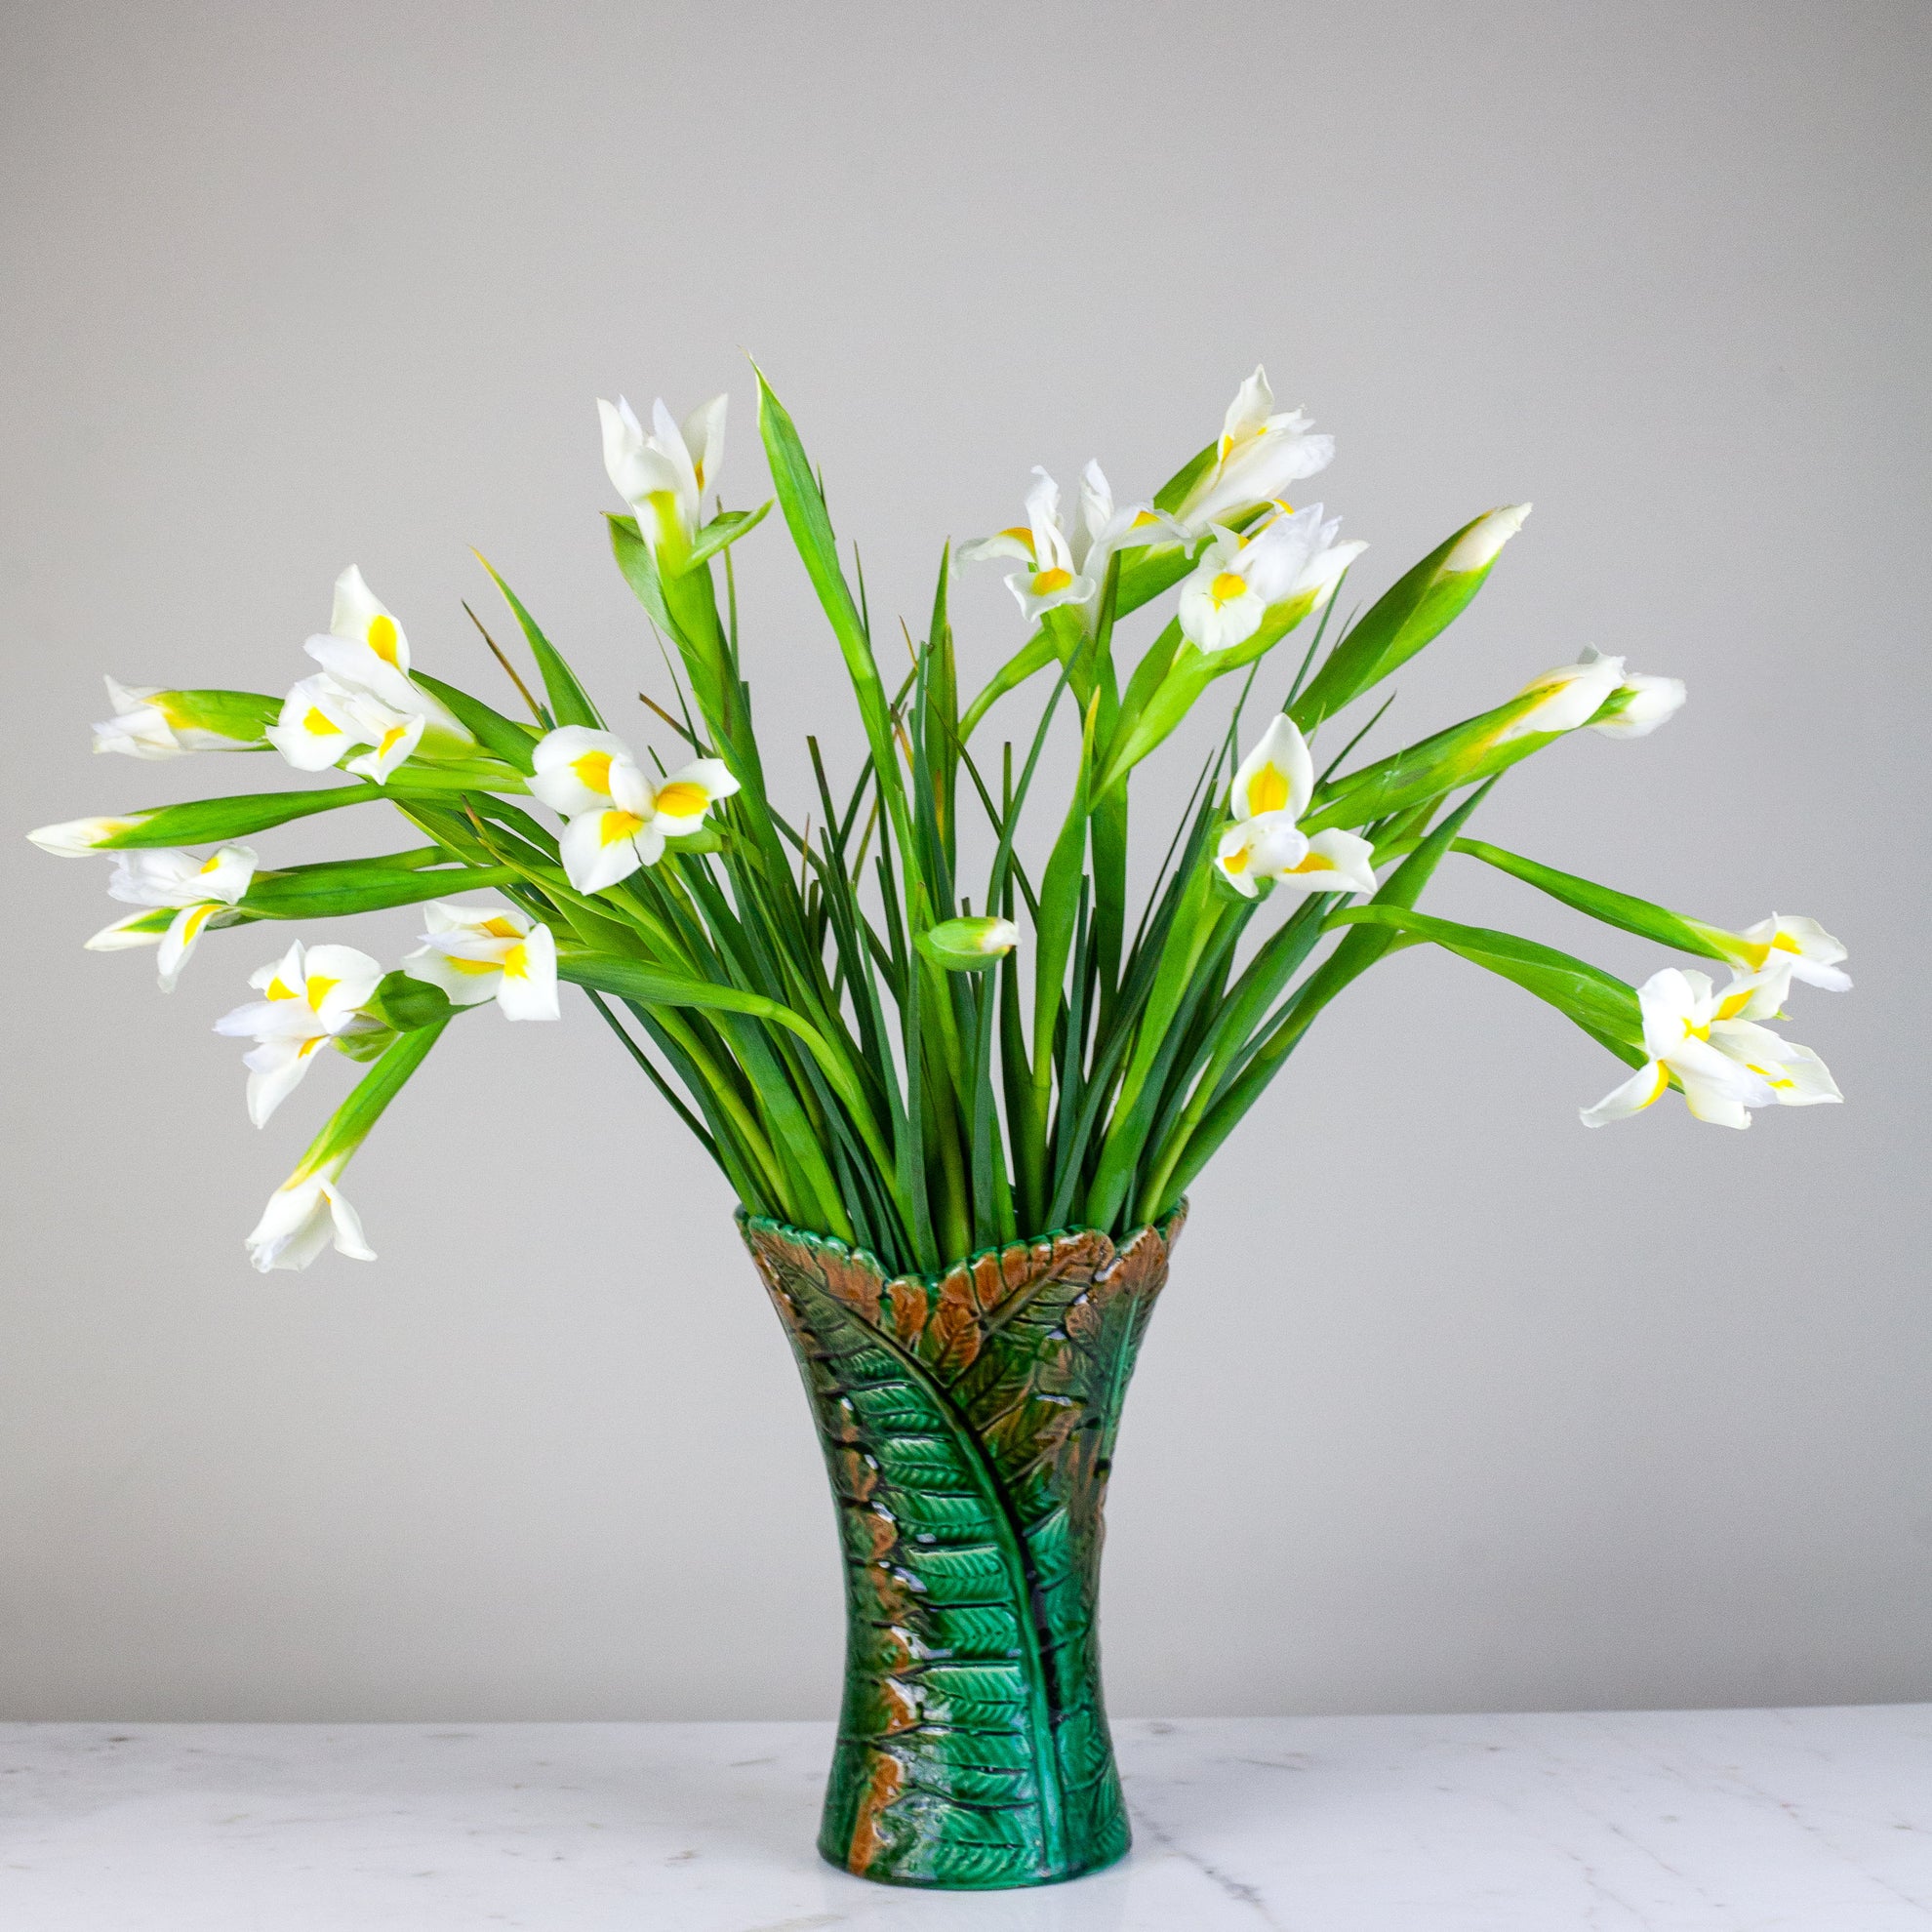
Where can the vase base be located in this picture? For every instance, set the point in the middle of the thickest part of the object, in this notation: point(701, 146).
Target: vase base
point(1018, 1883)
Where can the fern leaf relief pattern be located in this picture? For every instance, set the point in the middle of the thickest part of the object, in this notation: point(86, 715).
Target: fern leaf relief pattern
point(968, 1422)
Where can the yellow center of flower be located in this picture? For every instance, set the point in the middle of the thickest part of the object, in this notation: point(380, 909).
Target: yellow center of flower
point(385, 639)
point(594, 771)
point(1226, 587)
point(498, 928)
point(1268, 790)
point(614, 825)
point(1050, 581)
point(681, 799)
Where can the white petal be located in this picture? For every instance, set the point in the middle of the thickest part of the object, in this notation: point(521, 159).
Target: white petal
point(337, 980)
point(136, 729)
point(276, 1071)
point(1478, 545)
point(600, 848)
point(357, 668)
point(1657, 699)
point(178, 940)
point(156, 875)
point(983, 548)
point(678, 805)
point(1716, 1088)
point(397, 742)
point(572, 767)
point(1569, 695)
point(1276, 776)
point(299, 1223)
point(122, 935)
point(1235, 854)
point(1635, 1094)
point(528, 987)
point(465, 986)
point(704, 431)
point(76, 839)
point(355, 607)
point(1336, 861)
point(281, 978)
point(310, 732)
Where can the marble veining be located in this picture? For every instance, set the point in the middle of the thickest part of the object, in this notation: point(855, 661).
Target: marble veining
point(1717, 1821)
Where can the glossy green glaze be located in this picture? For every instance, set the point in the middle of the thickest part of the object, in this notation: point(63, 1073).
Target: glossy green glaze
point(968, 1421)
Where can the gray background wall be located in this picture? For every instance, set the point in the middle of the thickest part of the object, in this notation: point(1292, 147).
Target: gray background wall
point(1451, 1405)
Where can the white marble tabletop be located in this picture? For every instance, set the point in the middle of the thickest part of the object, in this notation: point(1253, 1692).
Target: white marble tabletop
point(1815, 1821)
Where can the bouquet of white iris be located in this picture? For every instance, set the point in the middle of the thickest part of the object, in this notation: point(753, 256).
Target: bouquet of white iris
point(960, 1120)
point(859, 1051)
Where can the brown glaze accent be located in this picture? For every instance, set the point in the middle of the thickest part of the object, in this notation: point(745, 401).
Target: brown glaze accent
point(887, 1774)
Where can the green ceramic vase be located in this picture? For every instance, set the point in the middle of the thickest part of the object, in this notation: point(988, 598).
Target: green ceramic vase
point(968, 1421)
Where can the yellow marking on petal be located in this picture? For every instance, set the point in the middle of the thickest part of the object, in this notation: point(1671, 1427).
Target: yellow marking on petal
point(1785, 942)
point(682, 799)
point(318, 988)
point(385, 639)
point(594, 771)
point(1313, 863)
point(516, 963)
point(1692, 1032)
point(475, 968)
point(614, 825)
point(320, 723)
point(208, 865)
point(309, 1046)
point(1141, 521)
point(498, 928)
point(698, 471)
point(1237, 861)
point(1020, 536)
point(1268, 790)
point(279, 989)
point(1286, 509)
point(196, 919)
point(390, 739)
point(1050, 581)
point(1658, 1090)
point(1226, 587)
point(1733, 1004)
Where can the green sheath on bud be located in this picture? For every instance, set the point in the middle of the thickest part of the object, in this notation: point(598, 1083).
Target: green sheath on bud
point(964, 945)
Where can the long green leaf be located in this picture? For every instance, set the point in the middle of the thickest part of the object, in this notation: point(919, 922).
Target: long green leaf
point(1622, 910)
point(570, 702)
point(209, 820)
